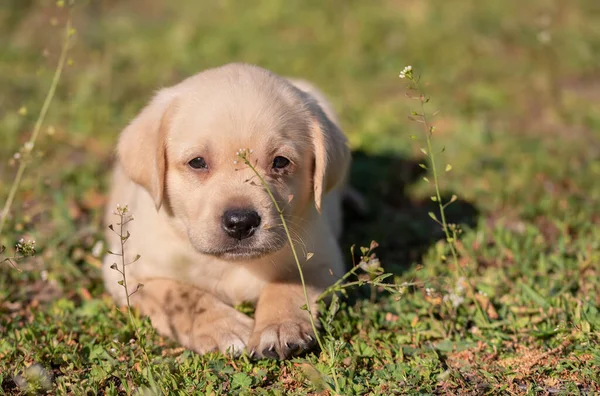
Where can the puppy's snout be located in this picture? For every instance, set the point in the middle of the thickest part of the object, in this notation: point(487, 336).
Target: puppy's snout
point(240, 223)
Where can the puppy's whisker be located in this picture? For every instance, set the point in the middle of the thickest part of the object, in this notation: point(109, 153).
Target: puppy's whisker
point(298, 229)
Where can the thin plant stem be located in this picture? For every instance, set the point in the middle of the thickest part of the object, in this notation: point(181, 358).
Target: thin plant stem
point(244, 158)
point(291, 242)
point(450, 237)
point(335, 380)
point(38, 124)
point(124, 274)
point(124, 218)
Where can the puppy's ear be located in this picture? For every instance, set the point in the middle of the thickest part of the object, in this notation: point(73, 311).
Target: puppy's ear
point(141, 147)
point(332, 155)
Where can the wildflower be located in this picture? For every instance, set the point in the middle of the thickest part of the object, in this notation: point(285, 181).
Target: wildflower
point(28, 146)
point(26, 248)
point(370, 264)
point(121, 210)
point(455, 299)
point(243, 153)
point(406, 72)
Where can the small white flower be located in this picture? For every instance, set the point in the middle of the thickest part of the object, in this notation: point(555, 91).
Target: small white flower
point(44, 275)
point(28, 146)
point(405, 71)
point(454, 299)
point(17, 156)
point(235, 162)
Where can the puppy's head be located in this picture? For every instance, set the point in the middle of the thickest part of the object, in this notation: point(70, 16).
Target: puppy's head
point(182, 148)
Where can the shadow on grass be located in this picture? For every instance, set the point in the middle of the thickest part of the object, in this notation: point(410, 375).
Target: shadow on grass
point(400, 225)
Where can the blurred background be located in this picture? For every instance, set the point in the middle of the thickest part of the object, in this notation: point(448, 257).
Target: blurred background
point(515, 86)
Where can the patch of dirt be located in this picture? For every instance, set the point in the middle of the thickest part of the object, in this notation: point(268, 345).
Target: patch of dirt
point(524, 366)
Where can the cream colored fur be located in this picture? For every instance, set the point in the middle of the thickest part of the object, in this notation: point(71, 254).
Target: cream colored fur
point(193, 273)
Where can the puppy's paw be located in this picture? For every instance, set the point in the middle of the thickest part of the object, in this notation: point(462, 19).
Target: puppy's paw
point(227, 335)
point(282, 340)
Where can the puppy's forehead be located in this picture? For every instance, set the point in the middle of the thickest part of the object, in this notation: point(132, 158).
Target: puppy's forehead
point(242, 106)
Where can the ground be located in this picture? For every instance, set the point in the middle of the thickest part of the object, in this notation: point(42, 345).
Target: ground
point(517, 88)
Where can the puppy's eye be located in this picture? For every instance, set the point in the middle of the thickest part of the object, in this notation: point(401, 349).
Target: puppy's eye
point(280, 162)
point(198, 163)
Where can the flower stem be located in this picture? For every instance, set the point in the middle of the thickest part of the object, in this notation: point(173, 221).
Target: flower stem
point(292, 247)
point(450, 237)
point(38, 125)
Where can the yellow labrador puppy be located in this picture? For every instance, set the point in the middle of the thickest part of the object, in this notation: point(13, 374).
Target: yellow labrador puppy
point(208, 234)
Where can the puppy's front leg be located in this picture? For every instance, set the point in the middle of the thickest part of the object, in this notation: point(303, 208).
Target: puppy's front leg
point(192, 317)
point(282, 328)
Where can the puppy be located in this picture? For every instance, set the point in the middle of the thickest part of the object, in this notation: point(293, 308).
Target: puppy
point(206, 229)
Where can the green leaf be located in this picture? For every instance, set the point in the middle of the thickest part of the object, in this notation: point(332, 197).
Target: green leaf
point(433, 216)
point(241, 381)
point(423, 166)
point(426, 179)
point(334, 306)
point(535, 296)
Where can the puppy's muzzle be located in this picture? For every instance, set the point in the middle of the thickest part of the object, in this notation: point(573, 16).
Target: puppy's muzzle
point(240, 223)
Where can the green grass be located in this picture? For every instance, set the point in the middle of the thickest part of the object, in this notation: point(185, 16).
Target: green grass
point(520, 123)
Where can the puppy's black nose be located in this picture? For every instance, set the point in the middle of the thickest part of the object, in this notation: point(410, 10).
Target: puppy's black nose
point(240, 223)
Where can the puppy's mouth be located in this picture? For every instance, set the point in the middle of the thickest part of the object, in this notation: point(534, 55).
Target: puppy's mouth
point(241, 250)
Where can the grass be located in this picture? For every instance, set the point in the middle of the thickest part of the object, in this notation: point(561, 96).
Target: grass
point(519, 120)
